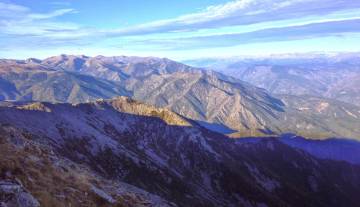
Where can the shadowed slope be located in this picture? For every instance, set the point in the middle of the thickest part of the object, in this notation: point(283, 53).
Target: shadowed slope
point(174, 158)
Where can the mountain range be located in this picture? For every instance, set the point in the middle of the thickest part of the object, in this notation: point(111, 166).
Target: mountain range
point(145, 131)
point(334, 75)
point(219, 102)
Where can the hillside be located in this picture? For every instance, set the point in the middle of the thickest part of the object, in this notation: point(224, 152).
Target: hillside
point(118, 150)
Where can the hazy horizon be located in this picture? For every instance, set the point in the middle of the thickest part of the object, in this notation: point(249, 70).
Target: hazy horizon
point(310, 54)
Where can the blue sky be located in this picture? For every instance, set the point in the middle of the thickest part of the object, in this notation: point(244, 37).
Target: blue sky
point(178, 29)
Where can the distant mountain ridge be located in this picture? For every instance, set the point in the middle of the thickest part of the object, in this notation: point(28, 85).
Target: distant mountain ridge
point(30, 80)
point(217, 100)
point(334, 75)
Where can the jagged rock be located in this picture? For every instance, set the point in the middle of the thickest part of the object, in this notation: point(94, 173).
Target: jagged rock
point(13, 194)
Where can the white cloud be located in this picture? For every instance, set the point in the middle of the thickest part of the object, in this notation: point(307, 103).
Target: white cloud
point(310, 30)
point(19, 20)
point(12, 11)
point(241, 12)
point(56, 13)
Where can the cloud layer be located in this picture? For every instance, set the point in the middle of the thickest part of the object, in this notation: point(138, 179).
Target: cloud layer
point(290, 33)
point(242, 12)
point(17, 20)
point(221, 25)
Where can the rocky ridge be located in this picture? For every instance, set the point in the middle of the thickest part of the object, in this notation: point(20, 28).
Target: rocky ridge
point(119, 155)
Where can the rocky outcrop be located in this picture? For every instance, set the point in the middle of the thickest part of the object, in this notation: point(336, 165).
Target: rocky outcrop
point(128, 105)
point(13, 194)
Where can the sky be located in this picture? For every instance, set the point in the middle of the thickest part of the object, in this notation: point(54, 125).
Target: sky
point(177, 29)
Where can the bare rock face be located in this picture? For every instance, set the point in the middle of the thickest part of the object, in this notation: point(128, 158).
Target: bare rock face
point(128, 105)
point(13, 194)
point(37, 106)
